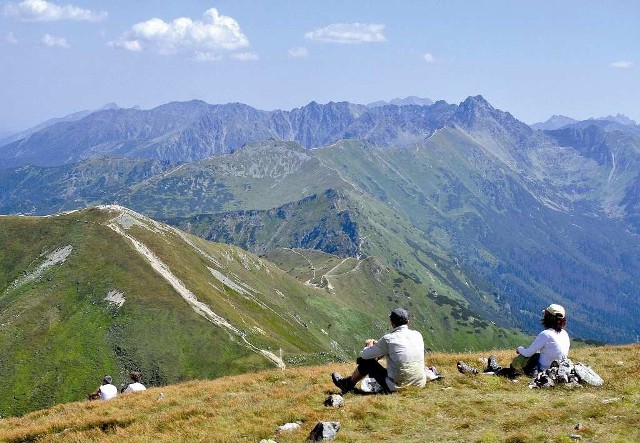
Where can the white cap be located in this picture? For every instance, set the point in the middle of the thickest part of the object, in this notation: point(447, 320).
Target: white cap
point(555, 310)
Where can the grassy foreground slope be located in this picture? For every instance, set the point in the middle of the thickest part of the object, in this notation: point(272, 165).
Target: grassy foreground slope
point(457, 408)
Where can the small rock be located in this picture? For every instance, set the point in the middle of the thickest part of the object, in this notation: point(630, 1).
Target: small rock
point(575, 436)
point(264, 440)
point(611, 400)
point(620, 363)
point(160, 396)
point(334, 401)
point(587, 375)
point(578, 427)
point(324, 430)
point(288, 427)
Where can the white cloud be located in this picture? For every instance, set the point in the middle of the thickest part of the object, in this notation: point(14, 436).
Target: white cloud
point(202, 40)
point(53, 41)
point(11, 38)
point(43, 11)
point(429, 57)
point(348, 33)
point(297, 52)
point(622, 64)
point(245, 56)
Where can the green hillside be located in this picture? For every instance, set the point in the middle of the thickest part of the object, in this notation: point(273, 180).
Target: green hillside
point(106, 290)
point(259, 176)
point(446, 321)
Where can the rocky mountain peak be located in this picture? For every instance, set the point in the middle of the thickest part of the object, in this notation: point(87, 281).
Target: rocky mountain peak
point(619, 118)
point(473, 110)
point(554, 122)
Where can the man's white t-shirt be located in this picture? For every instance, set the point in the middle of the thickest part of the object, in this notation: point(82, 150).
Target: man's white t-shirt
point(134, 387)
point(107, 392)
point(403, 349)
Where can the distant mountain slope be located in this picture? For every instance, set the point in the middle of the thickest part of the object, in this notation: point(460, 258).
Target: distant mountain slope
point(619, 118)
point(411, 100)
point(616, 151)
point(501, 227)
point(189, 131)
point(41, 190)
point(67, 118)
point(178, 132)
point(554, 122)
point(106, 290)
point(323, 222)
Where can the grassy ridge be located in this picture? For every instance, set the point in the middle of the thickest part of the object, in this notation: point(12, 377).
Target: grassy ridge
point(58, 332)
point(457, 408)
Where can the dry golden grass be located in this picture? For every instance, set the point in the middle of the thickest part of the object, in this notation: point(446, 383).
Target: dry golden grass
point(457, 408)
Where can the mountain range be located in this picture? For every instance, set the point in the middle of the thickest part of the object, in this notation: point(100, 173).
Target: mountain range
point(462, 213)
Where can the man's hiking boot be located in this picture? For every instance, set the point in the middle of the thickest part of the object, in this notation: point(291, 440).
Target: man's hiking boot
point(344, 383)
point(465, 368)
point(492, 364)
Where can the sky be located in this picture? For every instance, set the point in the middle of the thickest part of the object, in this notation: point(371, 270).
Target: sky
point(530, 58)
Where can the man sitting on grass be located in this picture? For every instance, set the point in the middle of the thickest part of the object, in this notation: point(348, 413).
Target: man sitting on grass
point(403, 348)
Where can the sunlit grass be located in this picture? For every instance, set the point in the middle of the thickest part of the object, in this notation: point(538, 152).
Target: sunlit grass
point(458, 408)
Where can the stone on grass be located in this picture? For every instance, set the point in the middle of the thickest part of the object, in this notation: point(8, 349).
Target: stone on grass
point(588, 375)
point(324, 430)
point(289, 427)
point(334, 401)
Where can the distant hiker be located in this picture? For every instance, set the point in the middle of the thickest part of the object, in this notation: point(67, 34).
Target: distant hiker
point(106, 391)
point(403, 348)
point(136, 385)
point(550, 345)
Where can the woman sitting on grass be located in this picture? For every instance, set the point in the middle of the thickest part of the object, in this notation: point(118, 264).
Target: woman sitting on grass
point(550, 345)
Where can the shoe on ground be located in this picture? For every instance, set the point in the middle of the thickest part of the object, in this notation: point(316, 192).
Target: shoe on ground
point(344, 383)
point(465, 368)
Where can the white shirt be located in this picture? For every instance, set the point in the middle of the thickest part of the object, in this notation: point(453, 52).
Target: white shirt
point(403, 349)
point(551, 344)
point(134, 387)
point(107, 392)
